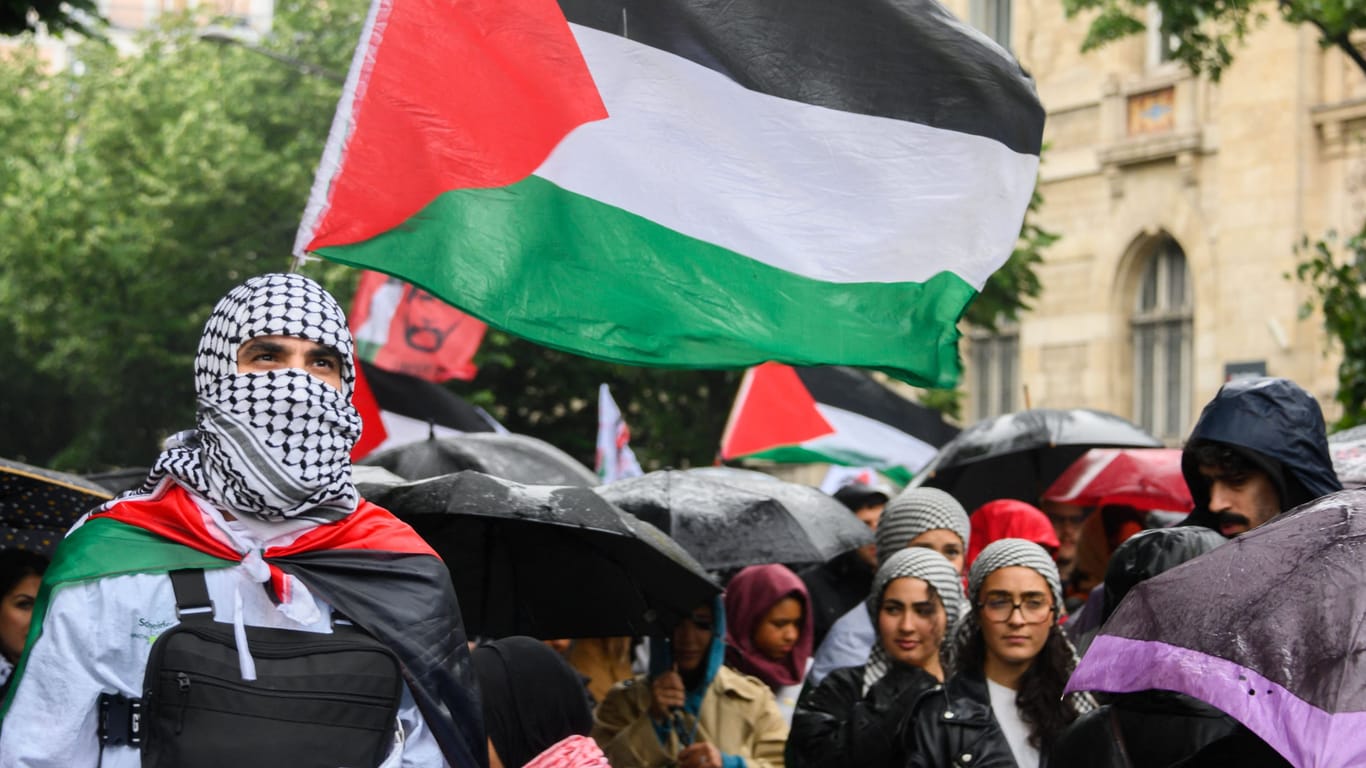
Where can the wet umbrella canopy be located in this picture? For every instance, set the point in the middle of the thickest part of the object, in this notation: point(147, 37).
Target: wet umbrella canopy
point(1348, 449)
point(729, 523)
point(1017, 456)
point(1142, 478)
point(549, 561)
point(518, 458)
point(1267, 628)
point(37, 506)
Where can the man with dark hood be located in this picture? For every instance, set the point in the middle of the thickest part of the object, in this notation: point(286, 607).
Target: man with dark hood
point(1259, 449)
point(253, 516)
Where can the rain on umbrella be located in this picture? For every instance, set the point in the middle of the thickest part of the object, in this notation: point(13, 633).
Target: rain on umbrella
point(1142, 478)
point(1018, 455)
point(549, 561)
point(1348, 449)
point(519, 458)
point(37, 505)
point(1266, 628)
point(728, 524)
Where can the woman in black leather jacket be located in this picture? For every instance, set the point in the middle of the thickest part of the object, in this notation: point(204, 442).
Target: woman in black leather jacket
point(855, 715)
point(1003, 706)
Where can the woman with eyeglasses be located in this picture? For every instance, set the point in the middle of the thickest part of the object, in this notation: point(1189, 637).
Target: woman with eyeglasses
point(1003, 705)
point(853, 717)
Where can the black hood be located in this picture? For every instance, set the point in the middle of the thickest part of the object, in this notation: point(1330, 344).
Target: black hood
point(1148, 553)
point(1275, 424)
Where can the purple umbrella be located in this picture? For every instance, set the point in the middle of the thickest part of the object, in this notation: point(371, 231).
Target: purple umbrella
point(1270, 628)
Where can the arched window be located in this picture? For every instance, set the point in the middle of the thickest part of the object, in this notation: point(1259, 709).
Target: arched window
point(1161, 328)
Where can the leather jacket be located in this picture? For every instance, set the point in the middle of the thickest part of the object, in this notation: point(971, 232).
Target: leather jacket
point(953, 726)
point(837, 725)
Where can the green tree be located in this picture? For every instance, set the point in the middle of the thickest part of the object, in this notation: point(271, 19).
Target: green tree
point(1336, 272)
point(137, 189)
point(56, 16)
point(1205, 32)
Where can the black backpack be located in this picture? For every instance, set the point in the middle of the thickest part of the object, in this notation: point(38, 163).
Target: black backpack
point(324, 700)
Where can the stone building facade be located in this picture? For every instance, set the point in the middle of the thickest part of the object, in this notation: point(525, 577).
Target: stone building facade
point(1179, 202)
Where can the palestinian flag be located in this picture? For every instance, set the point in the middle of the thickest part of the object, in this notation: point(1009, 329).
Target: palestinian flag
point(833, 414)
point(370, 566)
point(692, 183)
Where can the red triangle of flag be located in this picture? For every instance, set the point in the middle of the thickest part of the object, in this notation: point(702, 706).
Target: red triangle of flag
point(372, 431)
point(773, 408)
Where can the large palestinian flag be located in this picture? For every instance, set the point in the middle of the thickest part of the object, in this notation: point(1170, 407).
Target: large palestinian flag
point(695, 183)
point(831, 414)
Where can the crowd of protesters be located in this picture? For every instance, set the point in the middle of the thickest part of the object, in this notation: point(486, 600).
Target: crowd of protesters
point(948, 642)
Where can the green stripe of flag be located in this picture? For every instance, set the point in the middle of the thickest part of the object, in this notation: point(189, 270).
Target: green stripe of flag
point(550, 261)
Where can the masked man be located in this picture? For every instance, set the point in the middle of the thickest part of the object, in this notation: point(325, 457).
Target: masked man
point(249, 528)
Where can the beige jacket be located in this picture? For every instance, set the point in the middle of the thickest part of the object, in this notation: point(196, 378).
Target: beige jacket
point(738, 715)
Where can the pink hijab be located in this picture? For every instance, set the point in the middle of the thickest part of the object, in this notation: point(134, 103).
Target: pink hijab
point(749, 596)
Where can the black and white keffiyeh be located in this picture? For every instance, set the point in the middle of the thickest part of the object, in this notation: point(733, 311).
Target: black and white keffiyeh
point(1006, 553)
point(914, 511)
point(918, 563)
point(273, 445)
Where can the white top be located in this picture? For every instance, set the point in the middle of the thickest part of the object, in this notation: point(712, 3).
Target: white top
point(1008, 717)
point(98, 635)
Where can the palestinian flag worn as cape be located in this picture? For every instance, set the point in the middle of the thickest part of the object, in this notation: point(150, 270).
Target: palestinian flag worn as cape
point(691, 183)
point(832, 414)
point(369, 565)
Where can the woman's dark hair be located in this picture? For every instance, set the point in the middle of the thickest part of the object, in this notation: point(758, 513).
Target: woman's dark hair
point(1039, 697)
point(15, 565)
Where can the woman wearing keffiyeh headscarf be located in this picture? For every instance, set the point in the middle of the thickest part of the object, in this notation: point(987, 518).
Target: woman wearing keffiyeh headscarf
point(259, 497)
point(926, 518)
point(1003, 705)
point(854, 716)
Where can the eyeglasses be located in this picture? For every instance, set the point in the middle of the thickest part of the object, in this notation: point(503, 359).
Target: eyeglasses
point(1034, 610)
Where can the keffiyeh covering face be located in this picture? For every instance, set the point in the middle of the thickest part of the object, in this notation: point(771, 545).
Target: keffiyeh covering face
point(272, 445)
point(928, 566)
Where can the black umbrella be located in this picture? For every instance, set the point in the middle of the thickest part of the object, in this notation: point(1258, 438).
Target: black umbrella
point(1267, 628)
point(1017, 456)
point(37, 505)
point(519, 458)
point(728, 521)
point(549, 561)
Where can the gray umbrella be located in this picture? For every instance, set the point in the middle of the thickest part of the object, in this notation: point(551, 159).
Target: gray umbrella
point(520, 458)
point(549, 561)
point(729, 521)
point(1348, 449)
point(1018, 455)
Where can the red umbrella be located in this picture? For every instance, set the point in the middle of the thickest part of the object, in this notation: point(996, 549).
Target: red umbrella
point(1143, 478)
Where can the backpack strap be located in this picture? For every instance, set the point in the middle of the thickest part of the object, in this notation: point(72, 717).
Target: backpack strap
point(192, 601)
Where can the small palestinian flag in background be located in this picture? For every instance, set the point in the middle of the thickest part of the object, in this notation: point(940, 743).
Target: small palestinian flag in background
point(615, 459)
point(832, 414)
point(690, 183)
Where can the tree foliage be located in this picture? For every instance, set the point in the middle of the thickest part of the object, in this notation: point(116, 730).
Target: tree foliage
point(1205, 33)
point(55, 16)
point(136, 191)
point(1336, 274)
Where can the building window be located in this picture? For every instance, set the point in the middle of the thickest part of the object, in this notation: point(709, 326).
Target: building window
point(1161, 48)
point(1161, 328)
point(995, 360)
point(993, 18)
